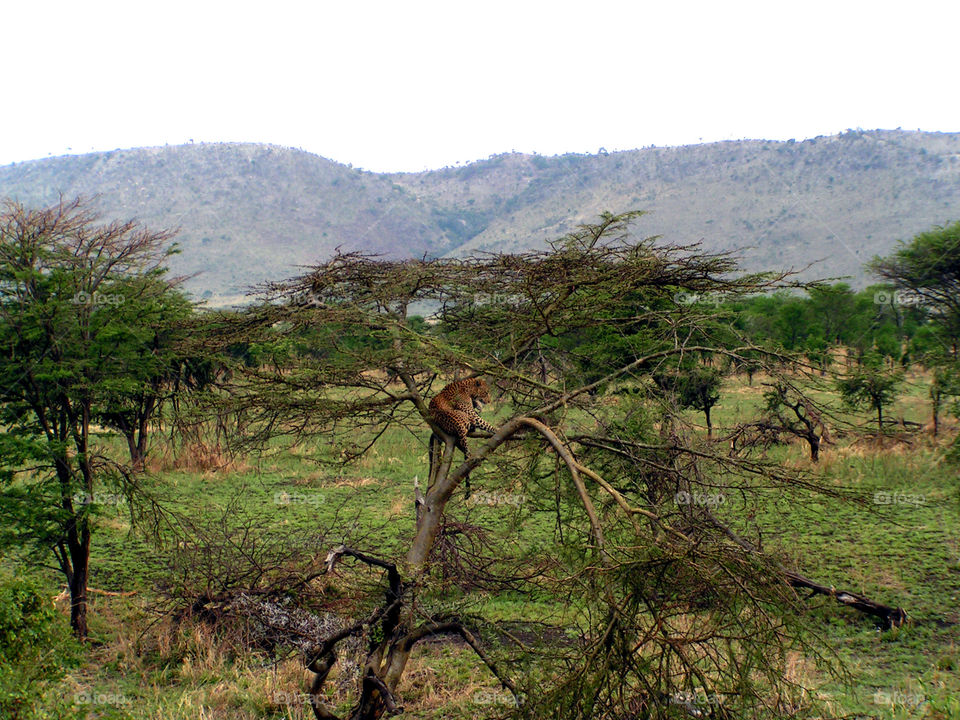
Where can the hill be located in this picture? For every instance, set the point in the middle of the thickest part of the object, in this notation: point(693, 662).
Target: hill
point(249, 213)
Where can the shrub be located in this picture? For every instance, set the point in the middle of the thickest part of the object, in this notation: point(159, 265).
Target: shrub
point(35, 648)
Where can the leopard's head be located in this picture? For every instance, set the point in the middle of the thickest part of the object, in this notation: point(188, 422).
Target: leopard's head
point(479, 392)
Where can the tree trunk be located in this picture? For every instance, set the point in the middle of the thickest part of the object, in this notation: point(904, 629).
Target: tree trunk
point(79, 535)
point(136, 456)
point(706, 411)
point(891, 617)
point(80, 561)
point(387, 659)
point(141, 446)
point(142, 429)
point(73, 550)
point(936, 414)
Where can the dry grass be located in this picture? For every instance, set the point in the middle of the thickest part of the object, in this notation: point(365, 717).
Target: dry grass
point(199, 457)
point(357, 482)
point(425, 687)
point(310, 479)
point(211, 678)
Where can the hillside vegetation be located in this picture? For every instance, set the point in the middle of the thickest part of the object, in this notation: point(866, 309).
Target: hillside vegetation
point(249, 213)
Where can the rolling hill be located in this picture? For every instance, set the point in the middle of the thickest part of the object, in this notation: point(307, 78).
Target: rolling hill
point(249, 213)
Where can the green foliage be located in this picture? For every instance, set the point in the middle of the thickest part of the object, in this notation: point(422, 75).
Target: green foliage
point(142, 336)
point(944, 388)
point(928, 267)
point(871, 320)
point(35, 649)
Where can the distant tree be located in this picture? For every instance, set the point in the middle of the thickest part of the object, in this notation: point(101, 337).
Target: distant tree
point(927, 347)
point(946, 384)
point(816, 348)
point(695, 386)
point(793, 322)
point(870, 385)
point(790, 411)
point(71, 337)
point(755, 315)
point(832, 308)
point(926, 271)
point(887, 345)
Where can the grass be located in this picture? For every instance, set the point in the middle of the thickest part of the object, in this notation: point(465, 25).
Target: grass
point(900, 546)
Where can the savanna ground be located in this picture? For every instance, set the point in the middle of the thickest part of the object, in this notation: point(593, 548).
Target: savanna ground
point(901, 547)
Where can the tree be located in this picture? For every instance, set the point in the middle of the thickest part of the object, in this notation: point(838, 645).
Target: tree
point(871, 384)
point(928, 266)
point(152, 320)
point(927, 270)
point(651, 581)
point(803, 420)
point(793, 322)
point(832, 307)
point(696, 387)
point(946, 384)
point(74, 307)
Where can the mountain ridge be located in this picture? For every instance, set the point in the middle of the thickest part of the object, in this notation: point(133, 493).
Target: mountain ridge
point(249, 212)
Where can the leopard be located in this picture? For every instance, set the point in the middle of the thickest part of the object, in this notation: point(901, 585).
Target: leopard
point(455, 410)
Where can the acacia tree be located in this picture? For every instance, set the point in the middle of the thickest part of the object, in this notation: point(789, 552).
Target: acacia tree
point(870, 385)
point(788, 411)
point(666, 600)
point(946, 384)
point(696, 387)
point(66, 351)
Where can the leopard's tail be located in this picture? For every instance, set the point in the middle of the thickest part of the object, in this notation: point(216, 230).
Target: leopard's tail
point(436, 454)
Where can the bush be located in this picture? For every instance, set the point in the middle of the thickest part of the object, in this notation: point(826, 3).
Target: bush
point(36, 648)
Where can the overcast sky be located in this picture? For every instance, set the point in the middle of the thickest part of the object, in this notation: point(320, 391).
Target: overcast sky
point(412, 85)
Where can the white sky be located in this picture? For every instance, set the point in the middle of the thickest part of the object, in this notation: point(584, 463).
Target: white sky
point(411, 85)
